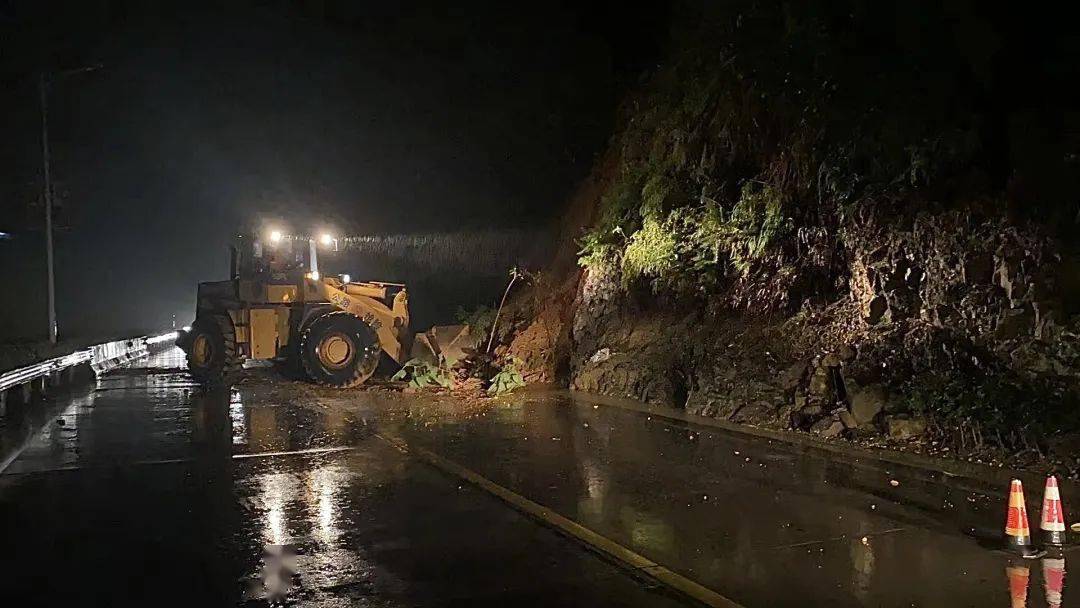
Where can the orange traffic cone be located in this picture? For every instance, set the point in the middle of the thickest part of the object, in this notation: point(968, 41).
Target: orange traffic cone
point(1053, 515)
point(1016, 522)
point(1054, 580)
point(1018, 584)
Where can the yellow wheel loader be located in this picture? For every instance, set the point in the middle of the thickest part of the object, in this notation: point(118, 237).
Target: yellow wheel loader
point(277, 306)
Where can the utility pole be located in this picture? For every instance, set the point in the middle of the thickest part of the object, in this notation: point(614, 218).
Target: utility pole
point(43, 89)
point(47, 179)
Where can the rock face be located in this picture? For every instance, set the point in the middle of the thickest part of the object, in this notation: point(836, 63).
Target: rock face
point(900, 301)
point(748, 257)
point(944, 294)
point(619, 356)
point(991, 292)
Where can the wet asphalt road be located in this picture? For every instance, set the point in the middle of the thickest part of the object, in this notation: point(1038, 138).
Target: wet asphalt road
point(152, 491)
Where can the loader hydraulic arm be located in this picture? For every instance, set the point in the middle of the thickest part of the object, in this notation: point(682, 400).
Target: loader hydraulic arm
point(366, 302)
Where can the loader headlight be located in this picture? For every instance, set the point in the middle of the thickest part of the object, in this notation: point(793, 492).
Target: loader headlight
point(327, 239)
point(275, 236)
point(345, 278)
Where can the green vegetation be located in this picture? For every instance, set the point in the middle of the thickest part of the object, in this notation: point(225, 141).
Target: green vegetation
point(695, 242)
point(421, 374)
point(479, 319)
point(757, 222)
point(508, 378)
point(650, 251)
point(992, 411)
point(761, 122)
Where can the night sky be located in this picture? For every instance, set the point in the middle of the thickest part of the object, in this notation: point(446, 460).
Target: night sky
point(372, 117)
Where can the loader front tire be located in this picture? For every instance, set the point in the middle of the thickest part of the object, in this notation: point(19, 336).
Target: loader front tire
point(211, 349)
point(339, 349)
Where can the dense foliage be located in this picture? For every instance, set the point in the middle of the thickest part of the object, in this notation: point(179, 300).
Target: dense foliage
point(507, 379)
point(771, 124)
point(423, 374)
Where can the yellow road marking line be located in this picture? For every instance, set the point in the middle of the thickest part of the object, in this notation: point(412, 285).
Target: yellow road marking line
point(549, 517)
point(343, 448)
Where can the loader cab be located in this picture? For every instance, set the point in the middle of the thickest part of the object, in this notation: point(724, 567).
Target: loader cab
point(282, 261)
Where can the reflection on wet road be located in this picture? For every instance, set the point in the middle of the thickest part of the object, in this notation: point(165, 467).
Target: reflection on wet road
point(759, 522)
point(147, 489)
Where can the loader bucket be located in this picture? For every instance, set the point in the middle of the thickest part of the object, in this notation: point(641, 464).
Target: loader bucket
point(449, 341)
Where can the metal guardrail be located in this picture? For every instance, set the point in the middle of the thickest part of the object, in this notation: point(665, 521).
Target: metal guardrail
point(39, 370)
point(114, 354)
point(100, 357)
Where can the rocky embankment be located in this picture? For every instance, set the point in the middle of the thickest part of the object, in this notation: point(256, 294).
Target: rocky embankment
point(781, 234)
point(954, 335)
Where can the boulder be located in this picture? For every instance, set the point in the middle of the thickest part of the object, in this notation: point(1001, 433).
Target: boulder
point(600, 356)
point(848, 420)
point(846, 353)
point(820, 386)
point(792, 376)
point(754, 412)
point(906, 428)
point(876, 311)
point(785, 415)
point(1015, 323)
point(868, 402)
point(803, 418)
point(827, 427)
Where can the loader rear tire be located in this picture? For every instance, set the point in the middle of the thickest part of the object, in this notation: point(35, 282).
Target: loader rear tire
point(339, 349)
point(211, 352)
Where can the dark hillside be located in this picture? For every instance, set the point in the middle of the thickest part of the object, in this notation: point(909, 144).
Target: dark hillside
point(855, 219)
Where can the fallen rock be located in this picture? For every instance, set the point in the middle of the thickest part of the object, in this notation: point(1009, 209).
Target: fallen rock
point(805, 417)
point(1015, 323)
point(820, 387)
point(756, 412)
point(827, 427)
point(785, 415)
point(846, 353)
point(792, 376)
point(868, 402)
point(848, 420)
point(876, 311)
point(906, 428)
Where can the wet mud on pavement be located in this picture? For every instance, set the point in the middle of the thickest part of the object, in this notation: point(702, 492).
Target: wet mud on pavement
point(153, 491)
